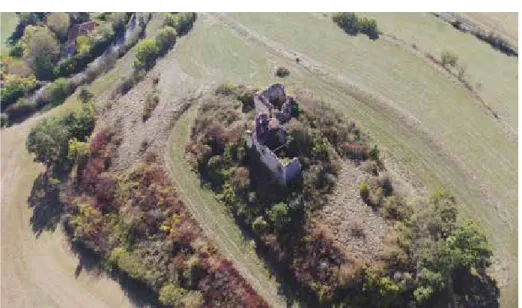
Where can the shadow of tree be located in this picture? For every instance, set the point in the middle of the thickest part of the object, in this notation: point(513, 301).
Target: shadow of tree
point(90, 263)
point(477, 291)
point(48, 211)
point(45, 202)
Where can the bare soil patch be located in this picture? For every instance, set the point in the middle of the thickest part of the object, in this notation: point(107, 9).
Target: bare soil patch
point(125, 114)
point(355, 227)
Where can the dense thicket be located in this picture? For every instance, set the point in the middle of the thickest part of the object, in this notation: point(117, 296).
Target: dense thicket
point(136, 222)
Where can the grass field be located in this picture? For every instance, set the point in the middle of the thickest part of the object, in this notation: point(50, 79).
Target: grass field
point(8, 22)
point(423, 120)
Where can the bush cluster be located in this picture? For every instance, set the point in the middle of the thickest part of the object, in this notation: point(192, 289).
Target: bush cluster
point(150, 104)
point(282, 72)
point(353, 24)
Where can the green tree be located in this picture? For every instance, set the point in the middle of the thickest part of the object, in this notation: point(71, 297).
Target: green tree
point(49, 141)
point(118, 22)
point(83, 44)
point(40, 42)
point(146, 54)
point(193, 299)
point(449, 58)
point(260, 226)
point(78, 150)
point(300, 140)
point(364, 191)
point(279, 216)
point(59, 23)
point(443, 207)
point(172, 295)
point(165, 39)
point(59, 90)
point(17, 50)
point(15, 86)
point(348, 21)
point(85, 96)
point(43, 68)
point(369, 27)
point(182, 22)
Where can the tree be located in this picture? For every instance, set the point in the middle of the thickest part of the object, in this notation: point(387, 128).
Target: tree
point(79, 17)
point(171, 295)
point(278, 215)
point(300, 140)
point(349, 22)
point(43, 68)
point(182, 22)
point(15, 86)
point(364, 191)
point(85, 95)
point(146, 54)
point(260, 226)
point(59, 90)
point(444, 218)
point(466, 249)
point(59, 23)
point(78, 150)
point(16, 51)
point(49, 141)
point(369, 27)
point(83, 44)
point(165, 39)
point(449, 58)
point(40, 42)
point(118, 22)
point(193, 299)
